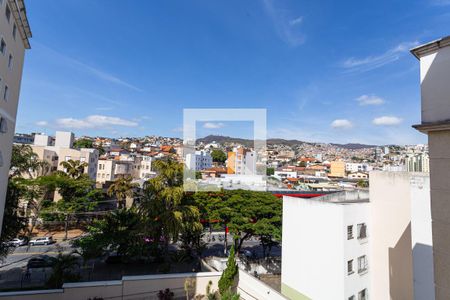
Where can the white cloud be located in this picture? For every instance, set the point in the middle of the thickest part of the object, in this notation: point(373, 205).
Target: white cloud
point(387, 121)
point(370, 100)
point(94, 121)
point(283, 24)
point(375, 61)
point(42, 123)
point(296, 21)
point(341, 124)
point(211, 125)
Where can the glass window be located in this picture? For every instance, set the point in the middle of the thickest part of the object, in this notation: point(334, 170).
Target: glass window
point(8, 13)
point(362, 231)
point(2, 46)
point(6, 93)
point(14, 32)
point(362, 264)
point(350, 267)
point(10, 61)
point(362, 295)
point(3, 125)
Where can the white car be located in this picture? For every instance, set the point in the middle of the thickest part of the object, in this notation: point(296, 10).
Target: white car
point(17, 242)
point(46, 240)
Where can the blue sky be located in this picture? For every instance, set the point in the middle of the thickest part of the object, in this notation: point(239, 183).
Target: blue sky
point(326, 71)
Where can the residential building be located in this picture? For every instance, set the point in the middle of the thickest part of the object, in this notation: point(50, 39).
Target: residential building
point(200, 160)
point(358, 175)
point(63, 151)
point(337, 168)
point(241, 161)
point(394, 250)
point(26, 139)
point(358, 167)
point(418, 162)
point(14, 40)
point(325, 253)
point(434, 78)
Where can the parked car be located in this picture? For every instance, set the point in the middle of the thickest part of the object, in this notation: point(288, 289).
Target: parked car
point(17, 242)
point(46, 240)
point(41, 261)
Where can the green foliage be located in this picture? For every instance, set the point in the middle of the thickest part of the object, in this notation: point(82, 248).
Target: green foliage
point(74, 168)
point(83, 143)
point(246, 213)
point(121, 189)
point(164, 204)
point(218, 156)
point(226, 281)
point(118, 232)
point(270, 171)
point(63, 270)
point(12, 223)
point(363, 183)
point(229, 295)
point(25, 162)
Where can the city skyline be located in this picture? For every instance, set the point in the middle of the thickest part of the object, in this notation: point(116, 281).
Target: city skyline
point(324, 73)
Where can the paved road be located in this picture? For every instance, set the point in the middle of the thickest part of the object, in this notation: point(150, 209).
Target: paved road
point(22, 254)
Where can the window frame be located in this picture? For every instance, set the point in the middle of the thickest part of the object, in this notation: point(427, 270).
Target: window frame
point(350, 235)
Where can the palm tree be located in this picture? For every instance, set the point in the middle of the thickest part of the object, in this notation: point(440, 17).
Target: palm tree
point(122, 188)
point(63, 269)
point(163, 202)
point(74, 168)
point(24, 161)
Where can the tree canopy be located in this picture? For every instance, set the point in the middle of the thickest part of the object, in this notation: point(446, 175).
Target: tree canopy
point(218, 156)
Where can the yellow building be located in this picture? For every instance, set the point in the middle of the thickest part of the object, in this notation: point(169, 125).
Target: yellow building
point(337, 168)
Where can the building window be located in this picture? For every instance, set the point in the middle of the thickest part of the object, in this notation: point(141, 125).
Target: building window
point(350, 267)
point(10, 62)
point(8, 13)
point(14, 32)
point(1, 159)
point(362, 295)
point(362, 231)
point(6, 93)
point(2, 46)
point(3, 125)
point(349, 232)
point(362, 264)
point(352, 297)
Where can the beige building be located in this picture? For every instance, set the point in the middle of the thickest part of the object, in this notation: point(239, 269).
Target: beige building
point(337, 168)
point(14, 35)
point(434, 60)
point(63, 151)
point(136, 166)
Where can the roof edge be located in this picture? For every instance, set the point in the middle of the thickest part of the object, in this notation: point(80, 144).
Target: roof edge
point(430, 47)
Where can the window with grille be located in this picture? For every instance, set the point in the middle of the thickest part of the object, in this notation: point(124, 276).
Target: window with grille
point(350, 267)
point(362, 264)
point(349, 232)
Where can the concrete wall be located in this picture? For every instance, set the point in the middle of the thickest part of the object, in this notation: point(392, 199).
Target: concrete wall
point(130, 287)
point(422, 238)
point(390, 236)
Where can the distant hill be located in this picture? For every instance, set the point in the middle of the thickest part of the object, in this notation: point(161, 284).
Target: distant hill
point(249, 143)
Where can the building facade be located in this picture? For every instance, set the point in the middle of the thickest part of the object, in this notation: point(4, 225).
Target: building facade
point(434, 60)
point(14, 40)
point(325, 253)
point(200, 160)
point(241, 161)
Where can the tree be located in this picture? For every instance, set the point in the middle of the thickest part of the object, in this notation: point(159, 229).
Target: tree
point(122, 188)
point(164, 203)
point(120, 231)
point(74, 168)
point(226, 281)
point(270, 171)
point(25, 162)
point(218, 156)
point(12, 222)
point(83, 143)
point(63, 270)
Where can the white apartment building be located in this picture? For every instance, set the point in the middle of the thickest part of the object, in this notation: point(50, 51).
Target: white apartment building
point(419, 162)
point(200, 160)
point(325, 253)
point(435, 90)
point(14, 34)
point(63, 151)
point(358, 167)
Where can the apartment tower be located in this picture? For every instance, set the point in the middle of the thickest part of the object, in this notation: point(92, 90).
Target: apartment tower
point(434, 60)
point(14, 34)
